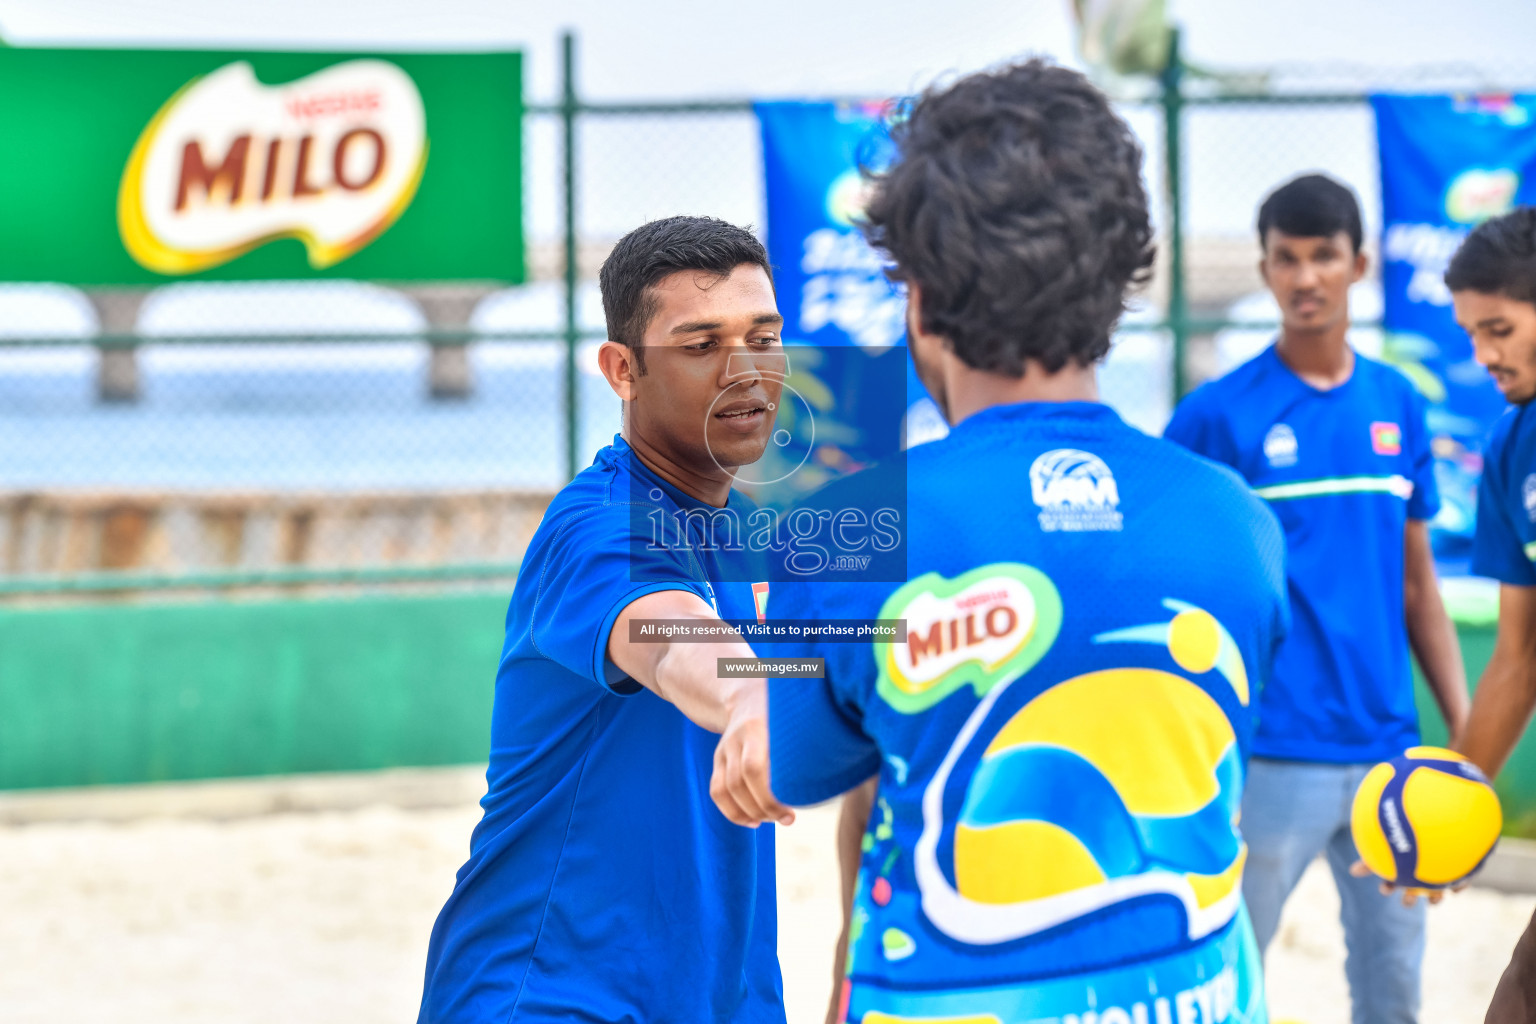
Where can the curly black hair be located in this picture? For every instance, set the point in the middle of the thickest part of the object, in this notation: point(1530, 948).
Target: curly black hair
point(1498, 257)
point(1016, 203)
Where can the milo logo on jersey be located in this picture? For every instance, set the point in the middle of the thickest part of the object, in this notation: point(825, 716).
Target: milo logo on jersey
point(984, 625)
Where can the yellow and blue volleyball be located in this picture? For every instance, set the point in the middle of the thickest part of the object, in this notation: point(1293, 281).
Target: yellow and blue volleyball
point(1425, 820)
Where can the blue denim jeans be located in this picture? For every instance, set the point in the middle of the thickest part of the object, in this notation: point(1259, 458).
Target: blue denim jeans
point(1292, 811)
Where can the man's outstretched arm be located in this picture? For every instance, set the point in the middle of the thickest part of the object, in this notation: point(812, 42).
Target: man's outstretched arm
point(1506, 694)
point(687, 676)
point(1430, 632)
point(1501, 706)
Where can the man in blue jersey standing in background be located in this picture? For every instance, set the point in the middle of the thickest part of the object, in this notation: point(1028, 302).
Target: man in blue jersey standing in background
point(1059, 742)
point(602, 884)
point(1492, 279)
point(1338, 445)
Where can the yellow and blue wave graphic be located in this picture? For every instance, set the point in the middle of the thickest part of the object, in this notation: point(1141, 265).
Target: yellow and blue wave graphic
point(1081, 786)
point(1196, 642)
point(1108, 786)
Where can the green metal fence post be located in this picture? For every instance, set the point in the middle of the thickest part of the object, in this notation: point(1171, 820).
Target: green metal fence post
point(1173, 183)
point(568, 112)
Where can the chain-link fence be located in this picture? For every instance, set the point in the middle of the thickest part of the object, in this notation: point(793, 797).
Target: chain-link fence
point(284, 434)
point(281, 432)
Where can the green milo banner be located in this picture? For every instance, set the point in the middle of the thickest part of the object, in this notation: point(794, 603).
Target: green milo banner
point(133, 168)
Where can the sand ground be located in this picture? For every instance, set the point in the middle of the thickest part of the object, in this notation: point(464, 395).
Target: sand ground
point(322, 916)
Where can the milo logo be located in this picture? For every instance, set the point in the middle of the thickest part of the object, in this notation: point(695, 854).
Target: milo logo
point(980, 628)
point(847, 198)
point(228, 164)
point(1476, 195)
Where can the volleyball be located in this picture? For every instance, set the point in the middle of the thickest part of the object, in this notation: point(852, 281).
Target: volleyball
point(1427, 819)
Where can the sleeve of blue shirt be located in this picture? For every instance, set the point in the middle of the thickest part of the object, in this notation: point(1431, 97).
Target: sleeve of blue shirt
point(1425, 500)
point(590, 573)
point(1496, 549)
point(817, 747)
point(1195, 426)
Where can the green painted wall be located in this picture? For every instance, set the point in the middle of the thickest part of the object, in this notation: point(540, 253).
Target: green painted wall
point(140, 693)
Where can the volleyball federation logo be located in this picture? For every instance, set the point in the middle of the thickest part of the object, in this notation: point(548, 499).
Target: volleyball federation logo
point(1112, 785)
point(1075, 491)
point(1280, 446)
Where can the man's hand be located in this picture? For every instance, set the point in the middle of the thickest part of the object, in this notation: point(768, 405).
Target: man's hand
point(1506, 695)
point(1408, 894)
point(687, 676)
point(739, 784)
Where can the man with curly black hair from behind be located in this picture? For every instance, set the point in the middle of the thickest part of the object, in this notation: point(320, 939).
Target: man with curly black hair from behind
point(1057, 749)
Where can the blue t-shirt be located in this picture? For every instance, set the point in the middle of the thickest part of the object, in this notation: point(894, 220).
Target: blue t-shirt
point(1504, 546)
point(1061, 741)
point(1344, 469)
point(603, 884)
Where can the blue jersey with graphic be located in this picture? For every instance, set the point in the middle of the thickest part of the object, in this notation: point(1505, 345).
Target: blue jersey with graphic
point(602, 883)
point(1344, 469)
point(1061, 740)
point(1504, 546)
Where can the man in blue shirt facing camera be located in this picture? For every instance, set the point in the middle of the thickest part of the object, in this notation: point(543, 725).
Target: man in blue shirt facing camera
point(603, 885)
point(1338, 446)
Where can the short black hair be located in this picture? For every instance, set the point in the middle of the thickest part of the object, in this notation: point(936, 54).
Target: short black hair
point(1498, 257)
point(1016, 203)
point(1311, 206)
point(661, 247)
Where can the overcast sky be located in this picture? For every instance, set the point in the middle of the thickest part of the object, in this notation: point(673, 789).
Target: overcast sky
point(770, 48)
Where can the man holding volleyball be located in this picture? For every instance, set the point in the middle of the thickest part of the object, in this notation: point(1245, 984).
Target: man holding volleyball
point(602, 884)
point(1492, 279)
point(1089, 612)
point(1339, 447)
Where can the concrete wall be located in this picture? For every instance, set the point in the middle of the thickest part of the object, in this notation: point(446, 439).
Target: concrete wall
point(63, 532)
point(119, 693)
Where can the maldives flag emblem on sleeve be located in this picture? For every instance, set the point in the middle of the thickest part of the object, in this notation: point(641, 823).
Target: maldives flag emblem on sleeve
point(760, 598)
point(1386, 439)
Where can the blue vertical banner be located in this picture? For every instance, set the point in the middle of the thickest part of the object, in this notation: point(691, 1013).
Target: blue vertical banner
point(829, 279)
point(1447, 164)
point(831, 284)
